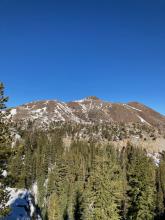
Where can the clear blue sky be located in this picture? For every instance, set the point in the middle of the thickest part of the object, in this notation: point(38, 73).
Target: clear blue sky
point(114, 49)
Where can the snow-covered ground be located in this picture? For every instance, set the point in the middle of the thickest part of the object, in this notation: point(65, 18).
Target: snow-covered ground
point(22, 205)
point(155, 157)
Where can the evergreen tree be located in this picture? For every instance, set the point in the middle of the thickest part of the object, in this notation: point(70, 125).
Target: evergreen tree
point(141, 185)
point(78, 206)
point(160, 183)
point(4, 152)
point(159, 211)
point(53, 207)
point(103, 193)
point(16, 166)
point(162, 172)
point(124, 161)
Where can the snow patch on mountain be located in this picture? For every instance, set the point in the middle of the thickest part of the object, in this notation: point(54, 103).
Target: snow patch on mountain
point(4, 173)
point(81, 100)
point(35, 191)
point(155, 157)
point(142, 120)
point(130, 107)
point(13, 111)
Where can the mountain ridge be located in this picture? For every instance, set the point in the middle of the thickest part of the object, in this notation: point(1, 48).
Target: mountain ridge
point(88, 110)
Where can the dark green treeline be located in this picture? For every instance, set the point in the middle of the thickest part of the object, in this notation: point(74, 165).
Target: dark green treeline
point(5, 151)
point(87, 180)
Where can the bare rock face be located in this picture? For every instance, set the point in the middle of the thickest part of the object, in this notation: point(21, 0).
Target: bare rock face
point(152, 117)
point(87, 110)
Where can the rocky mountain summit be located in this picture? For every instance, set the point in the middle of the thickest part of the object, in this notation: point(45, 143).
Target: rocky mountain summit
point(88, 110)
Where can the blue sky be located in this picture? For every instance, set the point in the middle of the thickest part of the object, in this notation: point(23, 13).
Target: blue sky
point(67, 50)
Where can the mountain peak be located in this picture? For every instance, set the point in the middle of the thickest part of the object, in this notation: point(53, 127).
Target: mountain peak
point(92, 98)
point(88, 98)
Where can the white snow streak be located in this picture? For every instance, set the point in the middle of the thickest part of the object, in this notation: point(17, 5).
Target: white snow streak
point(142, 120)
point(130, 107)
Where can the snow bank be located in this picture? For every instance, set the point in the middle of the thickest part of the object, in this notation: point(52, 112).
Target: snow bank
point(22, 205)
point(13, 111)
point(155, 157)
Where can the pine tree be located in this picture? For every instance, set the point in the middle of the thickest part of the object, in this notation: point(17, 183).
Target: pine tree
point(4, 152)
point(141, 185)
point(103, 193)
point(16, 166)
point(160, 205)
point(159, 197)
point(78, 206)
point(124, 206)
point(53, 207)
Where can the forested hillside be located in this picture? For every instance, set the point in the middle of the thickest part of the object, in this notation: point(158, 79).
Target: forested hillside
point(88, 180)
point(77, 171)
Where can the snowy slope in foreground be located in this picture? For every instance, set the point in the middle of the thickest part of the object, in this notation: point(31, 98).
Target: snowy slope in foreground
point(22, 205)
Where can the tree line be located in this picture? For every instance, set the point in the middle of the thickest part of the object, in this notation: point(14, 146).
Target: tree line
point(89, 180)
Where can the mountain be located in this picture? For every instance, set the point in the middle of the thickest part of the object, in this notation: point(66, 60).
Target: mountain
point(85, 150)
point(88, 110)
